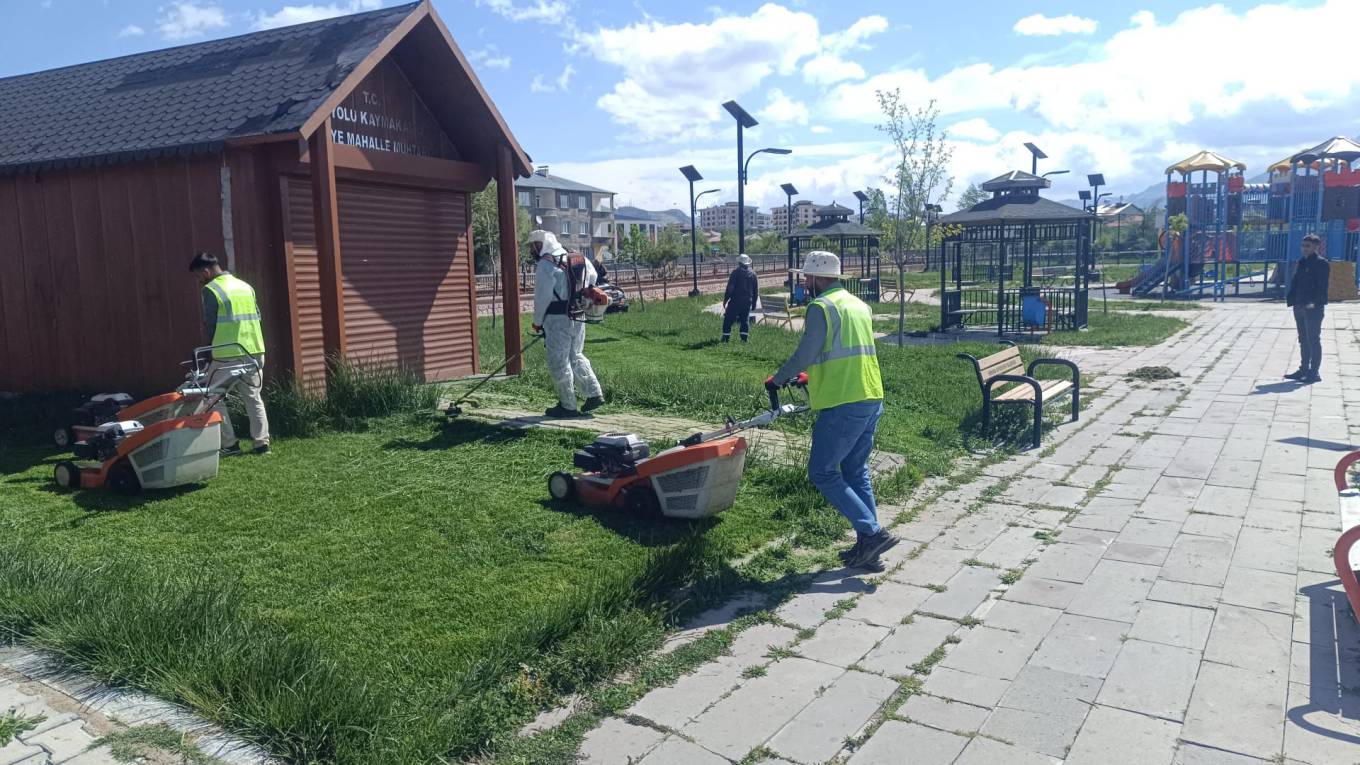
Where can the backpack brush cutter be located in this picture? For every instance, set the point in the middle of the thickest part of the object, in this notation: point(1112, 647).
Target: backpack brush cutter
point(697, 478)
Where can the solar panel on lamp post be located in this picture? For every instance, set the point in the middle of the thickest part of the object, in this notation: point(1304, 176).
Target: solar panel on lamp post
point(744, 120)
point(692, 174)
point(1036, 154)
point(862, 197)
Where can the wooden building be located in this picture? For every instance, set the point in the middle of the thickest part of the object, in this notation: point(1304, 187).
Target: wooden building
point(328, 164)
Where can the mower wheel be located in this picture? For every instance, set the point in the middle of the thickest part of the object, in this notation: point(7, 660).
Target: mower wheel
point(67, 475)
point(123, 479)
point(641, 500)
point(561, 486)
point(64, 437)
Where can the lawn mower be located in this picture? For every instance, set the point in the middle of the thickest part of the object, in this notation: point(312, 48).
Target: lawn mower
point(194, 396)
point(696, 478)
point(129, 456)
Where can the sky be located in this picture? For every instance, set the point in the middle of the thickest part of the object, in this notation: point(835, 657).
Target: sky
point(620, 93)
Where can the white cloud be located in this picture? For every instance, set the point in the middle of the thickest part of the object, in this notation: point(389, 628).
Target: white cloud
point(853, 37)
point(544, 11)
point(302, 14)
point(560, 84)
point(1049, 26)
point(781, 108)
point(829, 69)
point(490, 57)
point(820, 129)
point(187, 19)
point(977, 129)
point(131, 30)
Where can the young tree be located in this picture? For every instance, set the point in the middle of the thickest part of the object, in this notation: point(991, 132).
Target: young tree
point(486, 237)
point(971, 196)
point(919, 176)
point(663, 255)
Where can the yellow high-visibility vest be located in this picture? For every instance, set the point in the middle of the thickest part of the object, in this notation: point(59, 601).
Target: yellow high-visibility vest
point(238, 318)
point(846, 371)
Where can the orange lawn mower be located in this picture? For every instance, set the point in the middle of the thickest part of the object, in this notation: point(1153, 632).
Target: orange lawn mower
point(697, 478)
point(160, 443)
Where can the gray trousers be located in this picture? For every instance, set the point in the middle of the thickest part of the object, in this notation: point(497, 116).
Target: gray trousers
point(250, 389)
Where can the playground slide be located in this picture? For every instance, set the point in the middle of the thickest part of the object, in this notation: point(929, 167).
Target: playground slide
point(1149, 277)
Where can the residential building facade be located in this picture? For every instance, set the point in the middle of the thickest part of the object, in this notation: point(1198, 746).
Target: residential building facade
point(804, 213)
point(723, 217)
point(630, 219)
point(581, 216)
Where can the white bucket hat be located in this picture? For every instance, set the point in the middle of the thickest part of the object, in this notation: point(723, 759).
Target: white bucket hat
point(744, 259)
point(821, 263)
point(549, 241)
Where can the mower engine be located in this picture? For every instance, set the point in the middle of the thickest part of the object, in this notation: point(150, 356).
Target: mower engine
point(612, 454)
point(103, 445)
point(100, 409)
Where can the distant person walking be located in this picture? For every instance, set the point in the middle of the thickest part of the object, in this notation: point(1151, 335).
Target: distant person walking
point(1308, 297)
point(740, 299)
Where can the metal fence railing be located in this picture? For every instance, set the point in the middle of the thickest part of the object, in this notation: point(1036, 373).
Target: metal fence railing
point(631, 274)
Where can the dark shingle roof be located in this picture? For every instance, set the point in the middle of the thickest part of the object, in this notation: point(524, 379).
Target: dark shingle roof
point(1017, 208)
point(1016, 179)
point(834, 227)
point(189, 98)
point(557, 182)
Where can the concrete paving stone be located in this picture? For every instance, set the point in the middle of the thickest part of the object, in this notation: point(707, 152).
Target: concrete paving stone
point(1234, 473)
point(1315, 549)
point(1156, 452)
point(1319, 520)
point(1081, 645)
point(1087, 476)
point(889, 603)
point(1021, 617)
point(985, 751)
point(1251, 639)
point(964, 592)
point(1280, 485)
point(1027, 491)
point(63, 741)
point(752, 644)
point(808, 608)
point(927, 746)
point(1198, 560)
point(1160, 507)
point(1038, 591)
point(1174, 486)
point(675, 705)
point(1050, 731)
point(1069, 563)
point(1037, 688)
point(1111, 505)
point(1315, 733)
point(1266, 590)
point(1114, 590)
point(1135, 553)
point(16, 700)
point(760, 707)
point(1152, 679)
point(1063, 496)
point(1075, 535)
point(1259, 502)
point(1267, 550)
point(964, 686)
point(1116, 737)
point(992, 652)
point(842, 641)
point(935, 565)
point(1184, 593)
point(1048, 471)
point(1042, 518)
point(1173, 624)
point(103, 755)
point(819, 731)
point(1223, 500)
point(908, 644)
point(1111, 521)
point(1276, 520)
point(1133, 491)
point(18, 752)
point(1135, 476)
point(677, 751)
point(1144, 531)
point(978, 530)
point(1193, 754)
point(945, 714)
point(1012, 548)
point(773, 761)
point(1196, 459)
point(1206, 525)
point(1237, 710)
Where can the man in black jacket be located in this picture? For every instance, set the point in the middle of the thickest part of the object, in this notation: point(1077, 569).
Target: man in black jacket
point(1308, 296)
point(740, 299)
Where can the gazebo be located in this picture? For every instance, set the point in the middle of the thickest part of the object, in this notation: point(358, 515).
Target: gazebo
point(855, 244)
point(1016, 261)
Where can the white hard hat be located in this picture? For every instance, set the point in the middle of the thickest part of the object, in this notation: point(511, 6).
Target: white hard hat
point(821, 263)
point(744, 259)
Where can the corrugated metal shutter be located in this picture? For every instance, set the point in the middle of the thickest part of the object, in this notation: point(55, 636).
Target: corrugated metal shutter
point(408, 274)
point(307, 276)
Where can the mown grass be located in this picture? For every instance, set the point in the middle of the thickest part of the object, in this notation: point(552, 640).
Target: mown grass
point(1119, 328)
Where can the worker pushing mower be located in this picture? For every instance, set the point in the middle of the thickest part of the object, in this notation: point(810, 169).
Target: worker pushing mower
point(231, 322)
point(845, 388)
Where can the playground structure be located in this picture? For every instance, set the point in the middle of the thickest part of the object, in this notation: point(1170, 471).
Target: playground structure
point(1221, 234)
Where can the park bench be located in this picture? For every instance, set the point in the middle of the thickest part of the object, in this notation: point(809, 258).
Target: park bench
point(1004, 379)
point(1345, 556)
point(776, 309)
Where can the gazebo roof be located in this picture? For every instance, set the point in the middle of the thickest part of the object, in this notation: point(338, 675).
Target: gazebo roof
point(1340, 147)
point(833, 227)
point(1015, 208)
point(833, 209)
point(1016, 179)
point(1205, 160)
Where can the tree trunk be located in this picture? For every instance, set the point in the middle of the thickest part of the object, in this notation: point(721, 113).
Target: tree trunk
point(901, 301)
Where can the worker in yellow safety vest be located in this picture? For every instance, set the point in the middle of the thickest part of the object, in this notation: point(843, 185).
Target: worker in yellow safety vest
point(845, 388)
point(231, 318)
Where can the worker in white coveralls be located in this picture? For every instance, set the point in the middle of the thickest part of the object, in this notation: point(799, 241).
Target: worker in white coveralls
point(563, 337)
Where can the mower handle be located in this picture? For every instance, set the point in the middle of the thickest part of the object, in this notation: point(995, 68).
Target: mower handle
point(800, 382)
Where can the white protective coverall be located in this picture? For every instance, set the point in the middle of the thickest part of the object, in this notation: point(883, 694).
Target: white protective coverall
point(564, 339)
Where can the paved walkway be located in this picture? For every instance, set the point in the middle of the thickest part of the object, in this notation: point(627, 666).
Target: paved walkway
point(1152, 588)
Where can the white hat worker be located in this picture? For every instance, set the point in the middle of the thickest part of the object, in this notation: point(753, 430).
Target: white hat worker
point(821, 263)
point(744, 259)
point(549, 241)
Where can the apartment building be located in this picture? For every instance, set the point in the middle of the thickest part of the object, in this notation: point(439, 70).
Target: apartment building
point(804, 214)
point(723, 217)
point(581, 216)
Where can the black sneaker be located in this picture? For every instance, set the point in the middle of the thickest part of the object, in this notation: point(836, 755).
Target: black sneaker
point(851, 552)
point(560, 412)
point(230, 451)
point(1297, 375)
point(1312, 377)
point(873, 547)
point(261, 449)
point(592, 403)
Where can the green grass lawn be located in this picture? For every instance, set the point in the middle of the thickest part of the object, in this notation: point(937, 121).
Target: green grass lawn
point(1119, 328)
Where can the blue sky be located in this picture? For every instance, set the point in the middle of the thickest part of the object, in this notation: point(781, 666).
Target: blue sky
point(619, 94)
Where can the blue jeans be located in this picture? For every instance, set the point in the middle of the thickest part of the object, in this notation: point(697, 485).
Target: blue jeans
point(839, 462)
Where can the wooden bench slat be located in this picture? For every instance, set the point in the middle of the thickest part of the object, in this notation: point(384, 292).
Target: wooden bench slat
point(1003, 363)
point(1023, 392)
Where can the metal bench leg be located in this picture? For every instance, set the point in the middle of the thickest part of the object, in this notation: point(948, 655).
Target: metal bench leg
point(986, 413)
point(1076, 402)
point(1038, 420)
point(1341, 558)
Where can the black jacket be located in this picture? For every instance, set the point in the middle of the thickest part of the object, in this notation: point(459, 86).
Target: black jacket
point(741, 290)
point(1310, 282)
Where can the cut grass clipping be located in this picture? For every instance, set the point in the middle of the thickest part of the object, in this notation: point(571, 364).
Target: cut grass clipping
point(399, 588)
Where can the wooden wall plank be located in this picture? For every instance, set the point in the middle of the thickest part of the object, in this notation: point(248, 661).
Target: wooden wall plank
point(42, 299)
point(101, 309)
point(121, 247)
point(16, 366)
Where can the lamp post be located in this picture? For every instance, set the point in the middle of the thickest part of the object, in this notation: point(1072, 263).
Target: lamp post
point(862, 197)
point(789, 192)
point(692, 174)
point(741, 198)
point(744, 120)
point(1055, 172)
